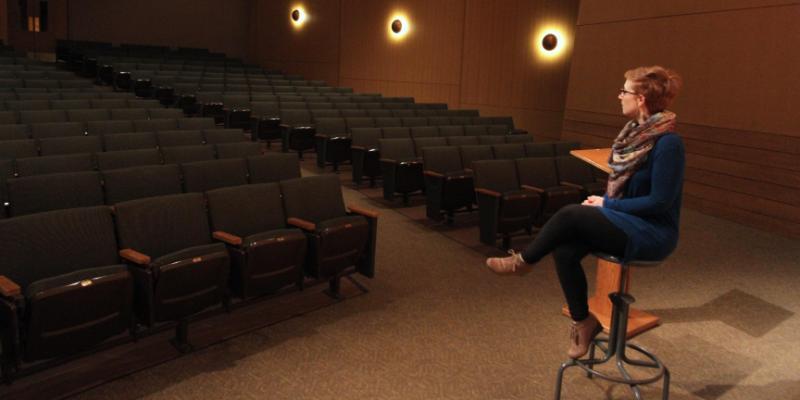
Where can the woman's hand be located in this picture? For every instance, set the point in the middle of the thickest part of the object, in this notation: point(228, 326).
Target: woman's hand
point(594, 201)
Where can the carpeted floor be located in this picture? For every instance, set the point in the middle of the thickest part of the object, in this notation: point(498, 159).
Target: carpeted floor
point(436, 324)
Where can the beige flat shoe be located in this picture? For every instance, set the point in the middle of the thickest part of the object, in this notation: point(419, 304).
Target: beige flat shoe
point(581, 335)
point(507, 265)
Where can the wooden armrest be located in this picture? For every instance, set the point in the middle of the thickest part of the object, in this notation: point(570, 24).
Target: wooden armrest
point(358, 148)
point(533, 188)
point(134, 256)
point(320, 136)
point(285, 126)
point(469, 170)
point(363, 211)
point(227, 238)
point(572, 185)
point(487, 192)
point(388, 160)
point(301, 223)
point(9, 288)
point(432, 173)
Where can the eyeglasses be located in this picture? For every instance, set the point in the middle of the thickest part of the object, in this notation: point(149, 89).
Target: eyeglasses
point(623, 92)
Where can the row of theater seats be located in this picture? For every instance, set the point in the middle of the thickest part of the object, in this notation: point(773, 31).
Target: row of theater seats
point(46, 192)
point(53, 146)
point(39, 124)
point(86, 115)
point(65, 94)
point(75, 278)
point(364, 142)
point(513, 195)
point(74, 104)
point(129, 158)
point(46, 83)
point(51, 73)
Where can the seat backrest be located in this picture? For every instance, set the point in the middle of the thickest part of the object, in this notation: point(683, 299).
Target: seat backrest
point(196, 123)
point(508, 151)
point(541, 149)
point(421, 143)
point(379, 113)
point(414, 121)
point(39, 116)
point(45, 245)
point(55, 164)
point(451, 130)
point(157, 226)
point(155, 125)
point(388, 122)
point(424, 131)
point(573, 170)
point(130, 141)
point(491, 139)
point(246, 210)
point(397, 149)
point(273, 167)
point(14, 132)
point(109, 127)
point(85, 115)
point(11, 149)
point(520, 138)
point(216, 136)
point(396, 132)
point(127, 158)
point(563, 148)
point(159, 113)
point(537, 171)
point(442, 159)
point(140, 182)
point(264, 109)
point(128, 113)
point(366, 137)
point(10, 117)
point(27, 105)
point(462, 140)
point(238, 149)
point(209, 175)
point(497, 175)
point(295, 117)
point(315, 198)
point(69, 104)
point(359, 122)
point(470, 154)
point(180, 138)
point(70, 145)
point(331, 126)
point(186, 154)
point(475, 130)
point(41, 193)
point(109, 103)
point(57, 129)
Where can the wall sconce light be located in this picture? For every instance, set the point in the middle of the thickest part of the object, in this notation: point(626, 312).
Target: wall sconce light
point(298, 16)
point(398, 27)
point(549, 42)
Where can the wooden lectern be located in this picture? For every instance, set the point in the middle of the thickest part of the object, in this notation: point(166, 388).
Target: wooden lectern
point(608, 273)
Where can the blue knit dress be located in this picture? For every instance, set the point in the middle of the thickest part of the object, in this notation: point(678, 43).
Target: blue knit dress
point(649, 211)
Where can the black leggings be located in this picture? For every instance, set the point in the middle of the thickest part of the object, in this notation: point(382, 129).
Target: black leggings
point(572, 233)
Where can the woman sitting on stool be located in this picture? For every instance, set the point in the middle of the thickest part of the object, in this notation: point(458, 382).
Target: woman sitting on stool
point(637, 218)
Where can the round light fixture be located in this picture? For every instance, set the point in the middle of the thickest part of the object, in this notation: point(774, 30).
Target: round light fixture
point(549, 42)
point(397, 26)
point(298, 16)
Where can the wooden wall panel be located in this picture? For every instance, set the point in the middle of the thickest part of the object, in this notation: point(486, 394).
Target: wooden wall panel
point(312, 51)
point(735, 112)
point(502, 71)
point(219, 25)
point(426, 64)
